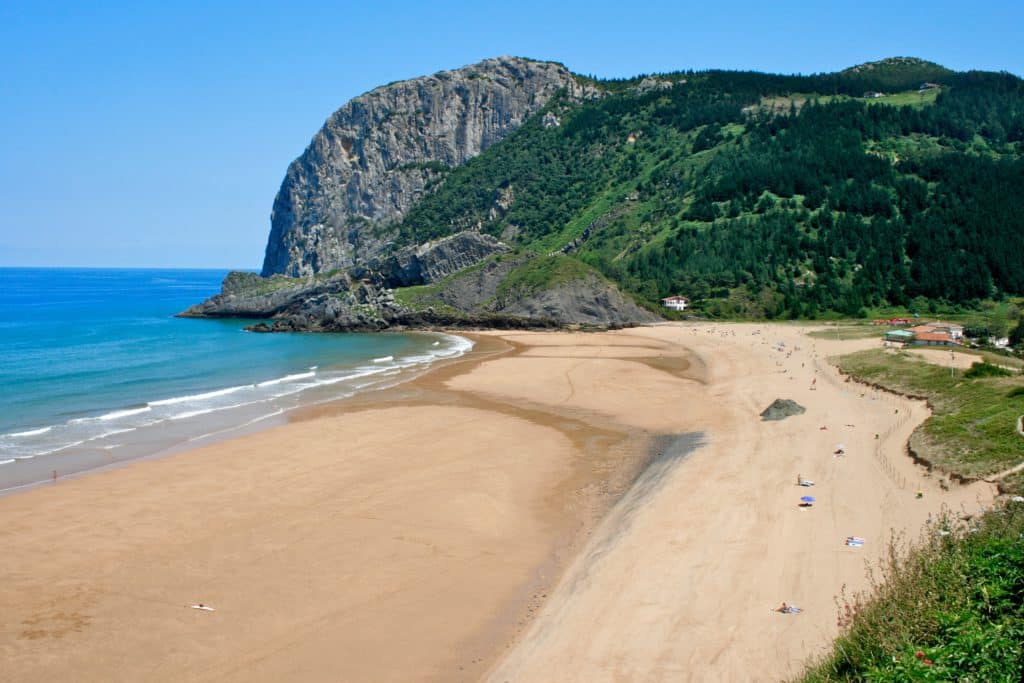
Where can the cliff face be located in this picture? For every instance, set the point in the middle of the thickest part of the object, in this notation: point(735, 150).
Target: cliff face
point(373, 158)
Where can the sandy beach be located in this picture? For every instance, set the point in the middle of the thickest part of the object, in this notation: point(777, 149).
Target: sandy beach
point(552, 506)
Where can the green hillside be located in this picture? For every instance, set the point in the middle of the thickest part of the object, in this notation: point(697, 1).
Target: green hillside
point(764, 195)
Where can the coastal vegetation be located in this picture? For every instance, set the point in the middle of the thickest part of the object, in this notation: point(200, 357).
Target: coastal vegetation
point(950, 609)
point(972, 432)
point(760, 195)
point(951, 606)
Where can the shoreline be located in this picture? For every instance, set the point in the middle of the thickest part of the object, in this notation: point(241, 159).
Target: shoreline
point(597, 504)
point(564, 504)
point(170, 438)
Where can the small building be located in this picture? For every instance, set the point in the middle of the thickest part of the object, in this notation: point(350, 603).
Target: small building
point(899, 336)
point(954, 332)
point(933, 339)
point(675, 303)
point(872, 94)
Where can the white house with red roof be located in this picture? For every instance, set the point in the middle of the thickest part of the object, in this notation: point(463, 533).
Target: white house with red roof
point(675, 303)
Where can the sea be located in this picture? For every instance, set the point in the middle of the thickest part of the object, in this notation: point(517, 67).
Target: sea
point(96, 370)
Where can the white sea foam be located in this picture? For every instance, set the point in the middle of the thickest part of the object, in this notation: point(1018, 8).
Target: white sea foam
point(111, 432)
point(360, 372)
point(203, 411)
point(200, 397)
point(287, 378)
point(124, 413)
point(377, 373)
point(62, 447)
point(31, 432)
point(6, 462)
point(200, 437)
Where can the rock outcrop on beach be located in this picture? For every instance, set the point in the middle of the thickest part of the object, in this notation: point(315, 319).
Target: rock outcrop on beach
point(781, 408)
point(376, 156)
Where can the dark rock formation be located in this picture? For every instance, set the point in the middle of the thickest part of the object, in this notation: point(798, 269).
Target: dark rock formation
point(372, 159)
point(781, 408)
point(433, 261)
point(247, 295)
point(333, 257)
point(587, 301)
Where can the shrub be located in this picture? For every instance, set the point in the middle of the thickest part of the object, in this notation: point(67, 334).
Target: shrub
point(986, 369)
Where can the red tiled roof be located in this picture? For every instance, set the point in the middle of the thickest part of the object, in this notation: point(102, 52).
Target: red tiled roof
point(933, 336)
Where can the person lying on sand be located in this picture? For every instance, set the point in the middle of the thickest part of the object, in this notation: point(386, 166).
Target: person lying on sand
point(202, 607)
point(789, 609)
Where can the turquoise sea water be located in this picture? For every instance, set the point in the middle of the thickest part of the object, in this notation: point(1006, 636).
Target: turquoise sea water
point(94, 368)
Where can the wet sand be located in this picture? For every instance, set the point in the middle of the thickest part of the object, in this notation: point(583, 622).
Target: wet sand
point(407, 534)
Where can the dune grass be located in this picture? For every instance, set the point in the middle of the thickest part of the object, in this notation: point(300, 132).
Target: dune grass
point(850, 331)
point(973, 428)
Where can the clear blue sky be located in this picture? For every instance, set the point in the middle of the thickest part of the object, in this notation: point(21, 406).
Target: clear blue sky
point(157, 135)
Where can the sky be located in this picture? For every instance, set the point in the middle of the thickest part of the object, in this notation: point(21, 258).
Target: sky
point(136, 134)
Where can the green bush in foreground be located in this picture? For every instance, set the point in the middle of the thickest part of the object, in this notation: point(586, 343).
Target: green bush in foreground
point(986, 369)
point(951, 609)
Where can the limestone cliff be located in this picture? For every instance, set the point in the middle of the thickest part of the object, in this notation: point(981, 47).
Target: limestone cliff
point(374, 157)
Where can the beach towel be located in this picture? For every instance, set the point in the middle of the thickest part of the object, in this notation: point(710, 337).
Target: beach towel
point(806, 482)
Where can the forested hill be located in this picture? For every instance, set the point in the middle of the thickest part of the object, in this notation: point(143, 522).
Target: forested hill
point(757, 194)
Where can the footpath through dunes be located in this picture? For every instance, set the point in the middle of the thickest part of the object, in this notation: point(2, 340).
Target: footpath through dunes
point(682, 581)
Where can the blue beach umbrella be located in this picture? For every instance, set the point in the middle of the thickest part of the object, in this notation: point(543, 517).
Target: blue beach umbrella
point(807, 499)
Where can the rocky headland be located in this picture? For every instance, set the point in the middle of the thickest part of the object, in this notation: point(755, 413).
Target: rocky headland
point(334, 257)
